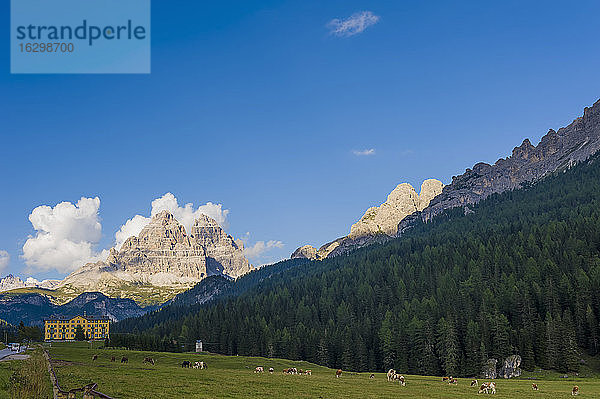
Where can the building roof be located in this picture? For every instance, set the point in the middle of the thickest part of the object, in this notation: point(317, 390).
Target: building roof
point(88, 318)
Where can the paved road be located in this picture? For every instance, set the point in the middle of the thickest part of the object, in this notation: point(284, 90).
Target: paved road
point(8, 352)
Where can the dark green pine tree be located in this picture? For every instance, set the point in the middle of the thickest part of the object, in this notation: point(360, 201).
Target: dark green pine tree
point(79, 334)
point(592, 331)
point(472, 349)
point(569, 353)
point(447, 346)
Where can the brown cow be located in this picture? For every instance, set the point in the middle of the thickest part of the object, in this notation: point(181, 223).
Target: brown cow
point(148, 360)
point(575, 391)
point(488, 387)
point(400, 379)
point(338, 373)
point(534, 387)
point(112, 359)
point(94, 358)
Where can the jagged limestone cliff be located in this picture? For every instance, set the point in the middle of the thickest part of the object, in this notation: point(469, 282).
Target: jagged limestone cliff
point(162, 260)
point(380, 222)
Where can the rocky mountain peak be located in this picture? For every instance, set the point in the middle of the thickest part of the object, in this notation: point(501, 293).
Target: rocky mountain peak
point(164, 254)
point(401, 202)
point(528, 163)
point(378, 223)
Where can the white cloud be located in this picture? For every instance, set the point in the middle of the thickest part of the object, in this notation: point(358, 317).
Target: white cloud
point(260, 247)
point(353, 25)
point(4, 259)
point(132, 227)
point(365, 152)
point(186, 215)
point(66, 236)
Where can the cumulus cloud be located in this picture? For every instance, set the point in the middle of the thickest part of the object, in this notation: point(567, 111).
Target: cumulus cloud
point(4, 259)
point(186, 215)
point(353, 25)
point(365, 152)
point(66, 236)
point(260, 247)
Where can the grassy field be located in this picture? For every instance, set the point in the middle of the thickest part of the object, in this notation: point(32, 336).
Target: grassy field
point(233, 377)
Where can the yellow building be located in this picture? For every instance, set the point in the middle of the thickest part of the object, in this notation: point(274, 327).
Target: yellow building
point(61, 328)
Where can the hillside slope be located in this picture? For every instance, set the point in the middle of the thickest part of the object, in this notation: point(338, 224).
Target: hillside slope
point(519, 274)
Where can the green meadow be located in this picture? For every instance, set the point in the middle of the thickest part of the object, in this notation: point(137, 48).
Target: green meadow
point(234, 377)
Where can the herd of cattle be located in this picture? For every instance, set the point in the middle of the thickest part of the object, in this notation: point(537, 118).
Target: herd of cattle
point(288, 371)
point(392, 375)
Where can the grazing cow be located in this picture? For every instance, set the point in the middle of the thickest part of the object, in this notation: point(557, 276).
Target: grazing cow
point(308, 372)
point(294, 370)
point(400, 379)
point(148, 360)
point(124, 360)
point(372, 376)
point(300, 371)
point(199, 365)
point(474, 383)
point(259, 369)
point(575, 391)
point(271, 370)
point(445, 379)
point(185, 364)
point(112, 359)
point(488, 387)
point(390, 374)
point(534, 387)
point(338, 373)
point(94, 358)
point(286, 371)
point(452, 380)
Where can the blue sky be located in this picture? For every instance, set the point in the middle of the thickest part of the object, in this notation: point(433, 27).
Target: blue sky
point(259, 108)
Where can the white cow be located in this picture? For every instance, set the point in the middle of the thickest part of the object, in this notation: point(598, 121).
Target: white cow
point(390, 374)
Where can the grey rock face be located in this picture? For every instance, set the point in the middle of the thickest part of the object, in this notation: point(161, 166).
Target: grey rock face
point(224, 255)
point(510, 368)
point(489, 369)
point(163, 254)
point(528, 163)
point(162, 246)
point(306, 252)
point(379, 223)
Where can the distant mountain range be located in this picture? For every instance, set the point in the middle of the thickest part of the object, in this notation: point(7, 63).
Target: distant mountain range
point(557, 150)
point(164, 260)
point(32, 308)
point(11, 282)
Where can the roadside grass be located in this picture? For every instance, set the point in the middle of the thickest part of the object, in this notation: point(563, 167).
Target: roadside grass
point(25, 379)
point(234, 377)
